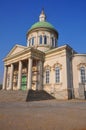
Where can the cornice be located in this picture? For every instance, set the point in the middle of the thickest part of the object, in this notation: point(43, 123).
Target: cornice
point(65, 48)
point(79, 54)
point(55, 50)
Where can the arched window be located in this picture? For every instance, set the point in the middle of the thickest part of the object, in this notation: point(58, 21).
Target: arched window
point(45, 40)
point(40, 39)
point(27, 42)
point(52, 42)
point(32, 40)
point(82, 75)
point(57, 74)
point(47, 76)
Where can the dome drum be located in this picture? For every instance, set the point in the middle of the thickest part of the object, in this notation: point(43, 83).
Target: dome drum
point(42, 35)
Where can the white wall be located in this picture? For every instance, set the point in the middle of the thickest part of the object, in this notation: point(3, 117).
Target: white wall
point(60, 90)
point(77, 61)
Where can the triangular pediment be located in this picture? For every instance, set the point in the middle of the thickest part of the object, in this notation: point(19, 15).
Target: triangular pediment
point(16, 49)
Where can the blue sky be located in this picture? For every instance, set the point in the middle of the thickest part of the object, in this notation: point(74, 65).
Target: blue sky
point(17, 16)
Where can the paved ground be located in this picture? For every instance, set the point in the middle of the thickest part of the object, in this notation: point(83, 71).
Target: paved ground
point(43, 115)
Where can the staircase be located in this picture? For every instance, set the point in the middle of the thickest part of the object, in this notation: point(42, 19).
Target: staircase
point(13, 96)
point(22, 96)
point(38, 95)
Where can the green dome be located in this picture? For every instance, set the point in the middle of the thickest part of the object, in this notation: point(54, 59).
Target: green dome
point(42, 24)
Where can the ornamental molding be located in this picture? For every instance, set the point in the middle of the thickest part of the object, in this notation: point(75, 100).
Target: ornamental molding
point(57, 65)
point(47, 67)
point(81, 65)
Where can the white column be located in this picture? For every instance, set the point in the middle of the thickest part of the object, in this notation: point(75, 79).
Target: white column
point(29, 81)
point(5, 77)
point(11, 77)
point(19, 74)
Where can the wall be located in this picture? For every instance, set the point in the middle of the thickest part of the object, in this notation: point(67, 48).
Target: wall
point(60, 90)
point(78, 59)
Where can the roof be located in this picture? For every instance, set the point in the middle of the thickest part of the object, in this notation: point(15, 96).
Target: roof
point(42, 24)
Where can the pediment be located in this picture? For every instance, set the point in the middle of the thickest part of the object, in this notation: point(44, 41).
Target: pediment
point(16, 49)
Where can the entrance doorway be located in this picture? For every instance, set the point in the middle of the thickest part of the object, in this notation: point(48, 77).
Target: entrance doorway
point(24, 82)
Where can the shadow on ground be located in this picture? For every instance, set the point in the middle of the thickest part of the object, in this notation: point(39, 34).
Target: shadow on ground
point(37, 95)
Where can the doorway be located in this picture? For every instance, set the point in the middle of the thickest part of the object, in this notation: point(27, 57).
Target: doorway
point(24, 82)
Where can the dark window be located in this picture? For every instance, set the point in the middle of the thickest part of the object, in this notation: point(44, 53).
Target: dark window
point(52, 41)
point(32, 40)
point(40, 39)
point(29, 41)
point(45, 40)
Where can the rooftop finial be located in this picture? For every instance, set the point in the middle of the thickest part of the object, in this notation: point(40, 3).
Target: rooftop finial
point(42, 11)
point(42, 16)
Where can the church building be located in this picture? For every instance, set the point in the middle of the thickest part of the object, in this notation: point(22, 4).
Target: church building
point(42, 65)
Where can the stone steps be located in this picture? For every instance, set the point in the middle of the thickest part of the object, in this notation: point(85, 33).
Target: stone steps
point(13, 95)
point(38, 95)
point(31, 95)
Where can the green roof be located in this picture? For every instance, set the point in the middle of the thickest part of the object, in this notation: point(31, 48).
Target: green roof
point(42, 24)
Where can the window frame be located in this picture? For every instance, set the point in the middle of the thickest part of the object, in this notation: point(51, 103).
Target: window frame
point(52, 41)
point(40, 39)
point(82, 74)
point(47, 76)
point(57, 74)
point(32, 40)
point(45, 39)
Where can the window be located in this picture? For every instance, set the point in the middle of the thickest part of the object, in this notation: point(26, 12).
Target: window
point(45, 40)
point(57, 74)
point(82, 75)
point(29, 41)
point(40, 39)
point(52, 41)
point(32, 40)
point(47, 76)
